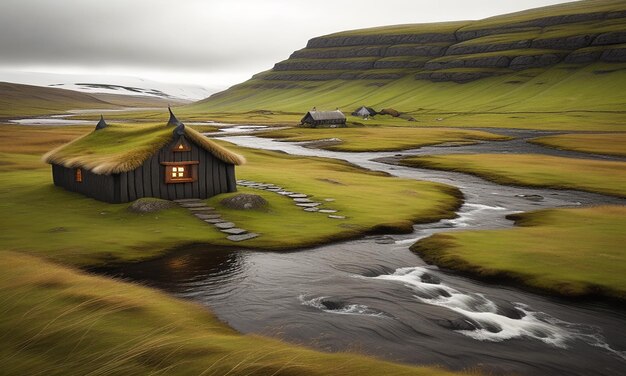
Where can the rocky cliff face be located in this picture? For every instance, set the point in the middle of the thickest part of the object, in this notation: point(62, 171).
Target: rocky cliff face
point(577, 34)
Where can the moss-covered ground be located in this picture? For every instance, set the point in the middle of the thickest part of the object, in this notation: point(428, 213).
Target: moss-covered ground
point(535, 170)
point(599, 143)
point(384, 138)
point(569, 252)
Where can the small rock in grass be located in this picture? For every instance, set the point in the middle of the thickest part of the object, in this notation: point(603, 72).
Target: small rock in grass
point(329, 199)
point(336, 216)
point(327, 211)
point(150, 205)
point(244, 201)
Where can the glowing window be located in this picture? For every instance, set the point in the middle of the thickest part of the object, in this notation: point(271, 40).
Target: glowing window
point(78, 175)
point(178, 172)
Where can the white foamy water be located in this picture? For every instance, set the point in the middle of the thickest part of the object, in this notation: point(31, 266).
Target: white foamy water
point(492, 325)
point(348, 309)
point(469, 212)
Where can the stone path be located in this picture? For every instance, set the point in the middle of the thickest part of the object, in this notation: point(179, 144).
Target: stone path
point(208, 214)
point(300, 199)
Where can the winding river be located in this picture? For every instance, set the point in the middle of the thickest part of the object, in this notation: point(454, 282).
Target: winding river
point(374, 296)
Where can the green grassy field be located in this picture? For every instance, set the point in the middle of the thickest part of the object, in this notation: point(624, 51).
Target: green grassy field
point(601, 143)
point(570, 252)
point(384, 138)
point(534, 170)
point(59, 321)
point(27, 199)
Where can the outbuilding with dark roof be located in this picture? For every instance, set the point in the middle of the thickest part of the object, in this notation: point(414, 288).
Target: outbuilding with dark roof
point(316, 118)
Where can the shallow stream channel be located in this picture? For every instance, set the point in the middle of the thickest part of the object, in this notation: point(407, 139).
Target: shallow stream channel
point(374, 296)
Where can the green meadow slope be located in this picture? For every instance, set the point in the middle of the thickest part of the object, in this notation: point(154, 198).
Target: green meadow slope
point(565, 58)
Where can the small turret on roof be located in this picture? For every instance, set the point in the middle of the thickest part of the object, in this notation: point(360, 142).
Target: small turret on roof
point(101, 124)
point(180, 127)
point(174, 122)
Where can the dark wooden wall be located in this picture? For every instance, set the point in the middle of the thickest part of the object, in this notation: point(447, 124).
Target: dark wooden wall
point(100, 187)
point(148, 180)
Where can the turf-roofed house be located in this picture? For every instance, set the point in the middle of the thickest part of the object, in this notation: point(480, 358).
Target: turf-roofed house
point(121, 163)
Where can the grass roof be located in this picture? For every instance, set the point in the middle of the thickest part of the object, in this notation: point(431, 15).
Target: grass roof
point(122, 148)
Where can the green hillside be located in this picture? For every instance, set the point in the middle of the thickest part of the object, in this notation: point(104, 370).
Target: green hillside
point(564, 58)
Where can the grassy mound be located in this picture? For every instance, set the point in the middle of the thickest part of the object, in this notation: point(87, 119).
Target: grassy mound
point(570, 252)
point(58, 321)
point(384, 138)
point(601, 143)
point(606, 177)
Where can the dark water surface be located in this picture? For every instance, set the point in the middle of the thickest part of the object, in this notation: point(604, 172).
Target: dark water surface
point(374, 296)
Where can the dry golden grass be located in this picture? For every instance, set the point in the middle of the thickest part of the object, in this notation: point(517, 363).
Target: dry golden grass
point(597, 143)
point(535, 170)
point(572, 252)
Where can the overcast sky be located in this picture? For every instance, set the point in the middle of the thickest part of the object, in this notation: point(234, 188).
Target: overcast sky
point(206, 42)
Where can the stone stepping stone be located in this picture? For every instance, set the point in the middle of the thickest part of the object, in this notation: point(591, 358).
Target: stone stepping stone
point(273, 189)
point(208, 216)
point(224, 225)
point(328, 211)
point(309, 204)
point(336, 216)
point(242, 237)
point(329, 199)
point(311, 209)
point(298, 195)
point(184, 200)
point(234, 231)
point(285, 193)
point(205, 208)
point(302, 200)
point(194, 205)
point(214, 221)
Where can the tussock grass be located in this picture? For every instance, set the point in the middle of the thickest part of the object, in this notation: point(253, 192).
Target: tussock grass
point(535, 170)
point(384, 138)
point(59, 321)
point(569, 252)
point(600, 143)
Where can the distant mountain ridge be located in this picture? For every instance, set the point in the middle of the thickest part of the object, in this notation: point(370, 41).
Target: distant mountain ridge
point(579, 33)
point(580, 42)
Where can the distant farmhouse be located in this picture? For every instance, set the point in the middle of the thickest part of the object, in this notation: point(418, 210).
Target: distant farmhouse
point(329, 119)
point(123, 163)
point(364, 112)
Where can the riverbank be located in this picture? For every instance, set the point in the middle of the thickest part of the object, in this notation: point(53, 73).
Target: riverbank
point(60, 321)
point(533, 170)
point(576, 253)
